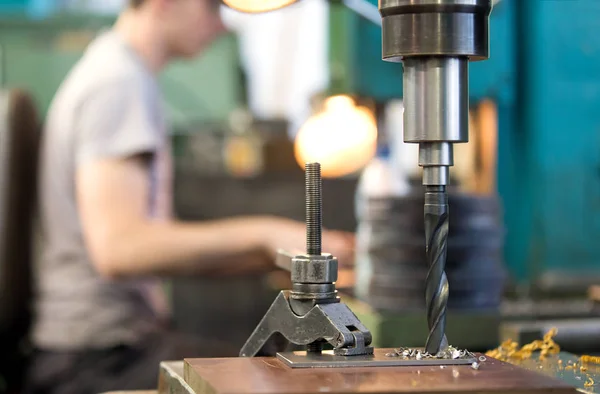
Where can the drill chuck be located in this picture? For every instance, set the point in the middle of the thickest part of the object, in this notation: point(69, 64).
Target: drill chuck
point(435, 40)
point(452, 28)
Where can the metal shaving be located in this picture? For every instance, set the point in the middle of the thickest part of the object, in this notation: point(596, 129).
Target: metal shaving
point(589, 382)
point(590, 359)
point(509, 350)
point(450, 353)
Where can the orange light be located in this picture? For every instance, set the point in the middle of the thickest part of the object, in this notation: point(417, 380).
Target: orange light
point(343, 138)
point(253, 6)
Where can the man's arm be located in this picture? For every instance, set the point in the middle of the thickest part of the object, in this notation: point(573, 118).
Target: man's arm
point(112, 195)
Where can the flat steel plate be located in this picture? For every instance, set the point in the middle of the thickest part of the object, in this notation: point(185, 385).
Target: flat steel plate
point(378, 359)
point(267, 375)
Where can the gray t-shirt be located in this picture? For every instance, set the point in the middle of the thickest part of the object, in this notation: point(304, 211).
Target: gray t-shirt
point(109, 106)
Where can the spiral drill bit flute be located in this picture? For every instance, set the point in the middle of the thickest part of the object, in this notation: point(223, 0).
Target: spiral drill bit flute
point(435, 40)
point(436, 240)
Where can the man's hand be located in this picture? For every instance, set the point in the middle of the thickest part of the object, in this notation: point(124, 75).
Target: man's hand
point(291, 236)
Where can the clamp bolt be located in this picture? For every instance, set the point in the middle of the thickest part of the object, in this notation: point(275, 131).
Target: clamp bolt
point(314, 208)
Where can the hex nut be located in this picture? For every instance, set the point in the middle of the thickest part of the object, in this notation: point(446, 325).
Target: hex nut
point(314, 269)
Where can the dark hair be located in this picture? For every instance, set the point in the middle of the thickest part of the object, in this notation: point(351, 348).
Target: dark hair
point(136, 3)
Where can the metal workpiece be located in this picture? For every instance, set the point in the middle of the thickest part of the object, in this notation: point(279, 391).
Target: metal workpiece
point(380, 358)
point(436, 293)
point(451, 28)
point(311, 314)
point(436, 99)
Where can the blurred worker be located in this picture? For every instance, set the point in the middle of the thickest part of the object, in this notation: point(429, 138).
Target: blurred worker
point(101, 318)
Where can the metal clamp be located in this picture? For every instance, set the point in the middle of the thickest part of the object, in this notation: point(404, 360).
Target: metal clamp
point(311, 314)
point(333, 323)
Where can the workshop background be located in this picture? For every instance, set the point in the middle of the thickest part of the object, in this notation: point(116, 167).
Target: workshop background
point(526, 252)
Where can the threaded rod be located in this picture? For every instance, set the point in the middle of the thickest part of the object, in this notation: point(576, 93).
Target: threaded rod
point(314, 215)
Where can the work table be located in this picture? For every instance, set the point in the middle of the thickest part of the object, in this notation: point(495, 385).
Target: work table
point(268, 375)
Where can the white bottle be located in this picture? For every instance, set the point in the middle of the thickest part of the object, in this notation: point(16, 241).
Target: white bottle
point(379, 180)
point(386, 176)
point(404, 156)
point(388, 172)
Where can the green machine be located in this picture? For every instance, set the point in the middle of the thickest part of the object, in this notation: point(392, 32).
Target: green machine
point(38, 53)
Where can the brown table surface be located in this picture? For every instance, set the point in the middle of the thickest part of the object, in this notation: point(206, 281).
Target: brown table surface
point(270, 376)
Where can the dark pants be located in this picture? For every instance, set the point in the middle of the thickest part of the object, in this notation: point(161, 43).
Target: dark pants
point(119, 368)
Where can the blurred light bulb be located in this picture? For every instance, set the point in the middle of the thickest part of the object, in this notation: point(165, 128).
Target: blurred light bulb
point(257, 5)
point(343, 138)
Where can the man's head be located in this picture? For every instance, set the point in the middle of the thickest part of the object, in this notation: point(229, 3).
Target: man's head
point(185, 26)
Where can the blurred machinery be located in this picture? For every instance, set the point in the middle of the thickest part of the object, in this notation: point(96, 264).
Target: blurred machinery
point(529, 92)
point(19, 140)
point(550, 239)
point(548, 182)
point(435, 41)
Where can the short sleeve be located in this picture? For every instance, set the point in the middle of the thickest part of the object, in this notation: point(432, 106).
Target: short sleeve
point(118, 120)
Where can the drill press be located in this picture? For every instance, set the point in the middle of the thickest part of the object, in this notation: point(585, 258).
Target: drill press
point(435, 40)
point(312, 315)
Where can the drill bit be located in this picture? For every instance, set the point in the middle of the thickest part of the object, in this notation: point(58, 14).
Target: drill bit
point(436, 232)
